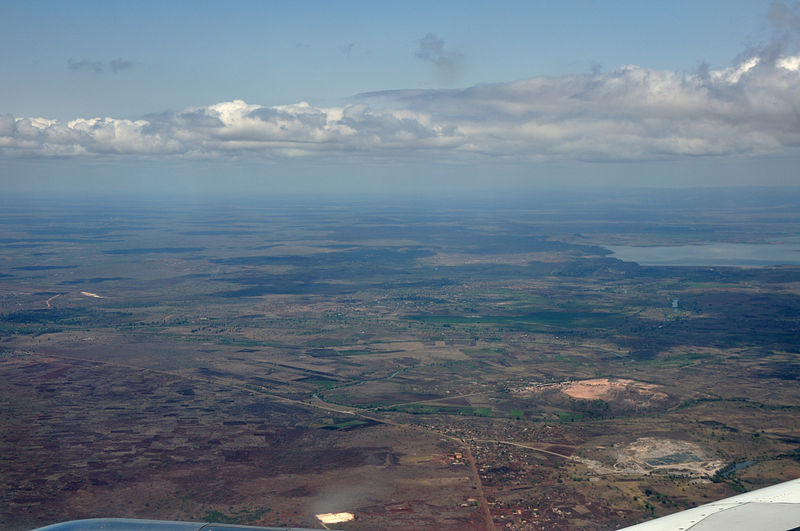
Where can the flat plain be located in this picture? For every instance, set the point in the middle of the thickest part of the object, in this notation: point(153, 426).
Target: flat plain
point(420, 364)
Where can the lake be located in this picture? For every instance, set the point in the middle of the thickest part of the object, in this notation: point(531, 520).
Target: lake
point(711, 254)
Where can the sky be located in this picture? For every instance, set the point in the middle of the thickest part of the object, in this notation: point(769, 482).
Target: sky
point(406, 97)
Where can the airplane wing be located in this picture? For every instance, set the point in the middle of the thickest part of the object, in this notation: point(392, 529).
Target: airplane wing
point(775, 508)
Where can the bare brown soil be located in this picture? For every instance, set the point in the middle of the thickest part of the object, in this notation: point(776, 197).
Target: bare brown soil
point(603, 388)
point(420, 369)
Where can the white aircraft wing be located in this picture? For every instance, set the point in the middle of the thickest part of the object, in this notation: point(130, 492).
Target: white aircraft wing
point(775, 508)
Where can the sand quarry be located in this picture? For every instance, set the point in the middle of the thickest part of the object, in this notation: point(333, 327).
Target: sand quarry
point(607, 389)
point(648, 454)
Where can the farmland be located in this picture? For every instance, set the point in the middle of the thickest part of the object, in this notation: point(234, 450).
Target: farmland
point(441, 365)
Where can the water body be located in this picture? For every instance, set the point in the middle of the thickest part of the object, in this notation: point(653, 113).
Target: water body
point(735, 467)
point(711, 254)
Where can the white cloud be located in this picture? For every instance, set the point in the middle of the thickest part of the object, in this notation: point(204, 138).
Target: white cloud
point(734, 74)
point(789, 63)
point(631, 113)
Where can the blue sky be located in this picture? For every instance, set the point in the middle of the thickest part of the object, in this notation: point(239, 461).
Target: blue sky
point(405, 95)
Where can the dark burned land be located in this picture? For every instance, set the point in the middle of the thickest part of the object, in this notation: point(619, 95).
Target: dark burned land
point(421, 365)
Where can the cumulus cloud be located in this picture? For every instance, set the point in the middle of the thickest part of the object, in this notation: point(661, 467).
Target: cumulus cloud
point(448, 63)
point(99, 67)
point(627, 114)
